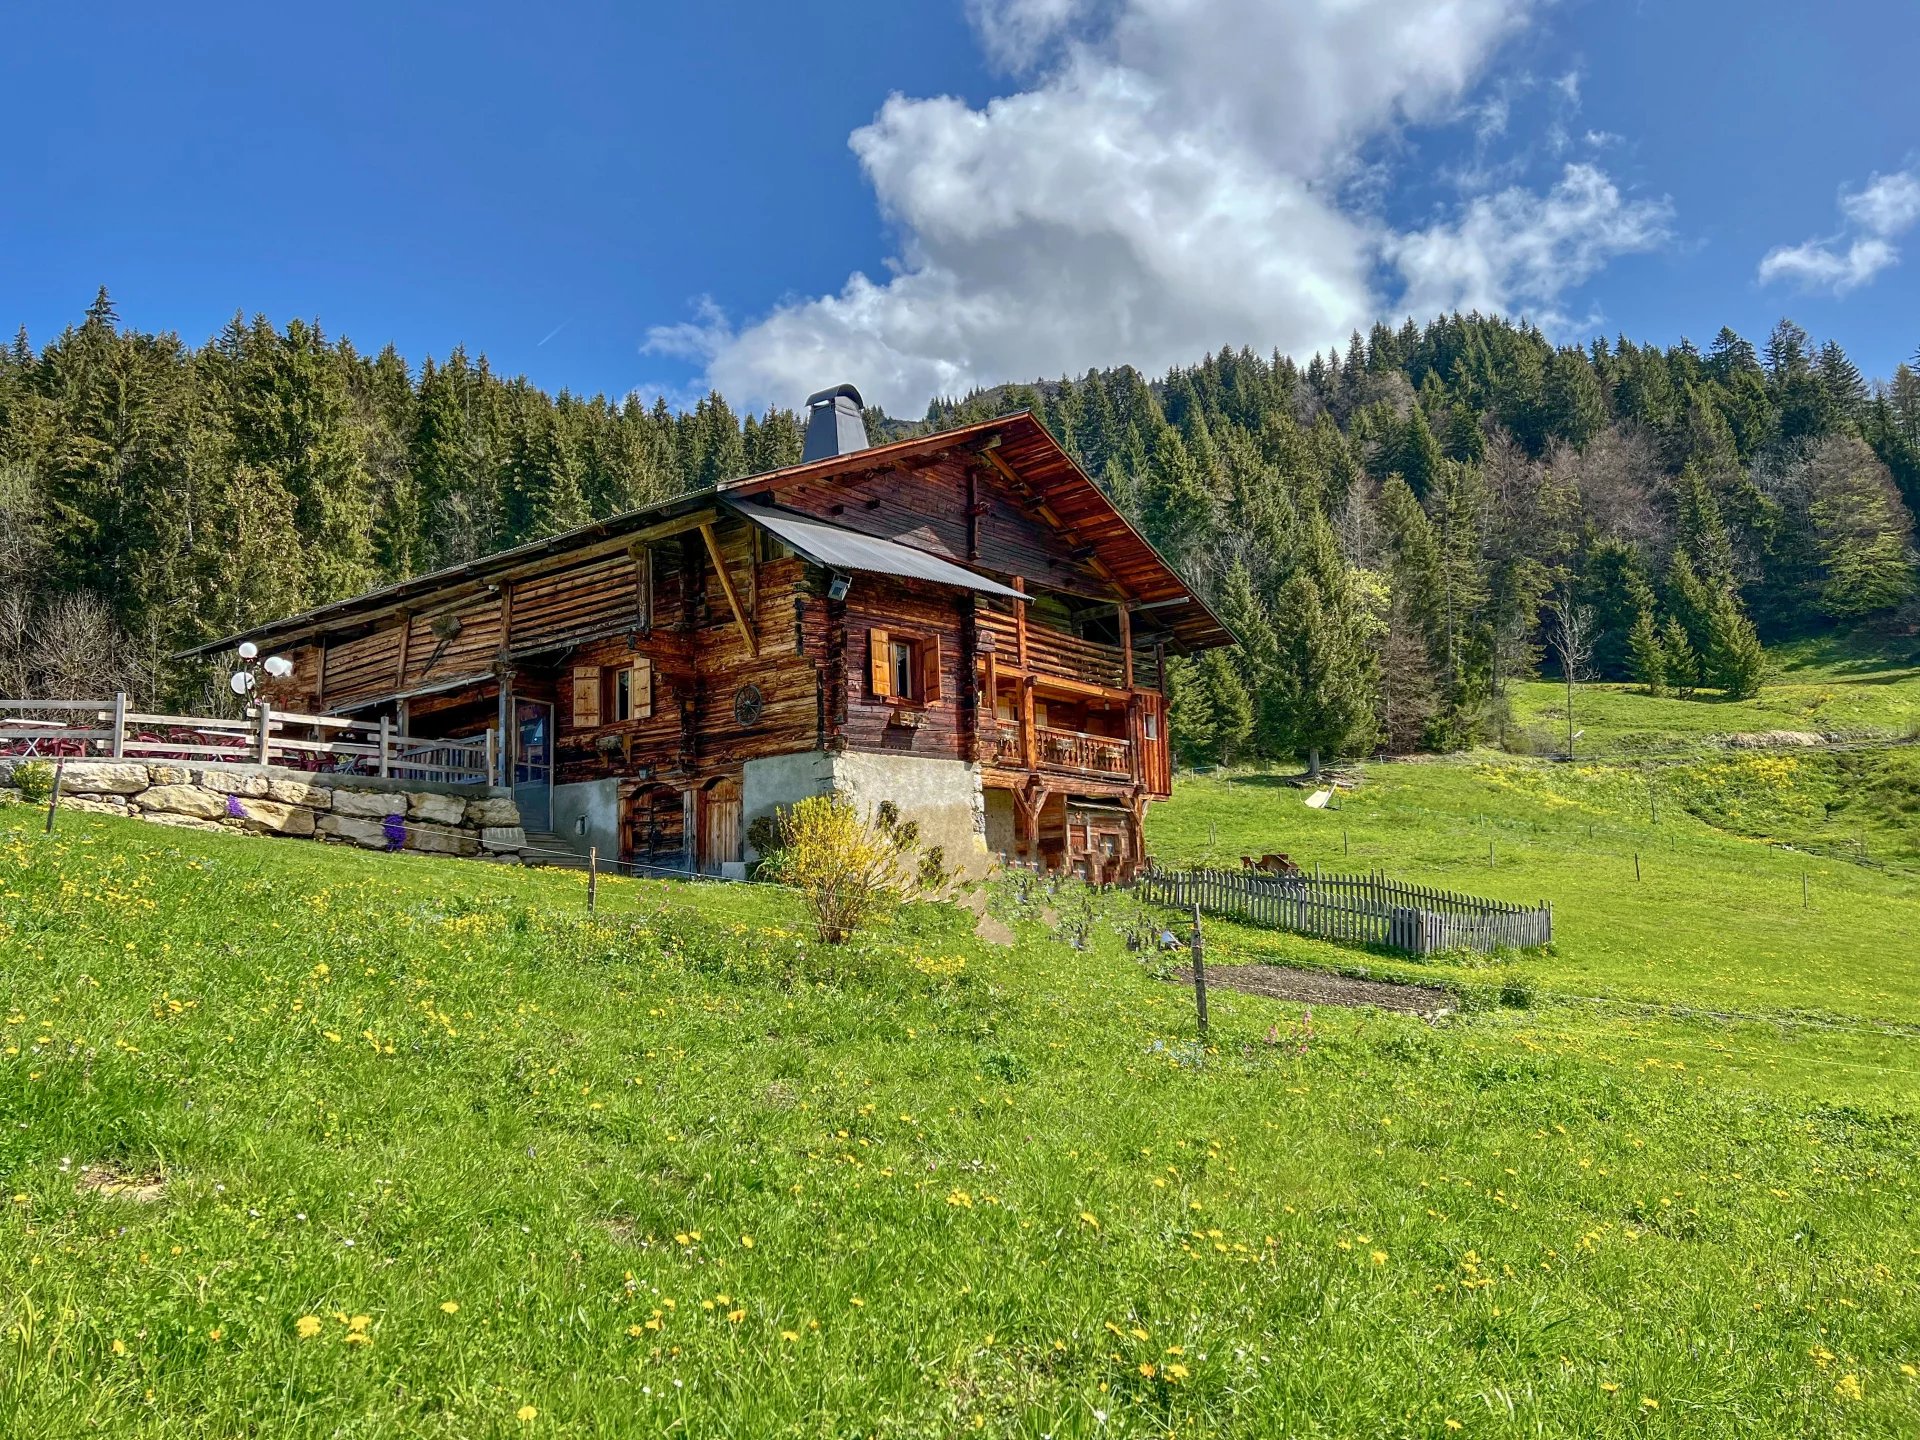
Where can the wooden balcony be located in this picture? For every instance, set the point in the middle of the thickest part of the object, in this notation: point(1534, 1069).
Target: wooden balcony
point(1055, 654)
point(1060, 752)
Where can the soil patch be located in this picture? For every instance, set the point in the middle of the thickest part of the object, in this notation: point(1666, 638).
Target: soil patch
point(1311, 987)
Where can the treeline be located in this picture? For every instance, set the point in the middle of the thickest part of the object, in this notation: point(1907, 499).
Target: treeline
point(154, 495)
point(1396, 533)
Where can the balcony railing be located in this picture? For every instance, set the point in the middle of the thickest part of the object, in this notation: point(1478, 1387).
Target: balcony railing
point(1072, 751)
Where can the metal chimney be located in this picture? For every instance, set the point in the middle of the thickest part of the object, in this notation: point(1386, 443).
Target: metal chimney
point(834, 424)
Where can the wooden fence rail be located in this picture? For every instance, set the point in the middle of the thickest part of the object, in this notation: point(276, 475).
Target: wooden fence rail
point(1355, 909)
point(107, 729)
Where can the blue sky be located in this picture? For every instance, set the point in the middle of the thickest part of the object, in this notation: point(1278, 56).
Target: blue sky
point(609, 197)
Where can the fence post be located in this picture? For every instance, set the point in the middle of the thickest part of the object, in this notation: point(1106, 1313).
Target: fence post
point(1198, 951)
point(53, 800)
point(119, 723)
point(386, 739)
point(593, 879)
point(493, 777)
point(265, 737)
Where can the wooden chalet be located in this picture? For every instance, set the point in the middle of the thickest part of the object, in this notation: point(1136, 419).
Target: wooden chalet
point(961, 623)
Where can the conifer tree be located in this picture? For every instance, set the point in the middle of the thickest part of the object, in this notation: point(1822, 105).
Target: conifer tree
point(1647, 655)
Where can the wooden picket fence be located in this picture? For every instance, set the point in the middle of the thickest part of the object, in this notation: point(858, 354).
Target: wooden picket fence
point(1355, 909)
point(110, 730)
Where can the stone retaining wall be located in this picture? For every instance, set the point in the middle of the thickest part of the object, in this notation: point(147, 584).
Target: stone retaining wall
point(260, 800)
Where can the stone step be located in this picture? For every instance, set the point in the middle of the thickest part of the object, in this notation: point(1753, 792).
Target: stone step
point(543, 847)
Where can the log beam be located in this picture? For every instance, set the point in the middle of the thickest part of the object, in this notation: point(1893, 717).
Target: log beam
point(726, 587)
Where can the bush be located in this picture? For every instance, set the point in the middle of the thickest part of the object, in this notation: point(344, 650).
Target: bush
point(34, 779)
point(853, 872)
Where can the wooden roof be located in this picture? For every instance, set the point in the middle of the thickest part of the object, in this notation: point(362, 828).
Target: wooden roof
point(1018, 446)
point(1028, 457)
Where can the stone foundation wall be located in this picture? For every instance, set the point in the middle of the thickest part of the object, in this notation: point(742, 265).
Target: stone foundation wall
point(260, 800)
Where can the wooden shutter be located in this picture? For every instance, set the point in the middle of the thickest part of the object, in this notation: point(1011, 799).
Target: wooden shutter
point(586, 697)
point(930, 670)
point(640, 690)
point(879, 664)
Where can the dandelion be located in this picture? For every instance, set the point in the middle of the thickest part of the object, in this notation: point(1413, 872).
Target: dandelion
point(746, 1242)
point(1147, 1370)
point(526, 1414)
point(1848, 1388)
point(1453, 1424)
point(450, 1307)
point(359, 1323)
point(1086, 1218)
point(1647, 1402)
point(636, 1331)
point(1379, 1257)
point(357, 1337)
point(736, 1316)
point(307, 1326)
point(790, 1336)
point(1174, 1373)
point(119, 1347)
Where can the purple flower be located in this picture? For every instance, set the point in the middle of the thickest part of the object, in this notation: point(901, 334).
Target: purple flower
point(235, 810)
point(395, 829)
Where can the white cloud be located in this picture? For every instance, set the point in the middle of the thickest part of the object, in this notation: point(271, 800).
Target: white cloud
point(1179, 174)
point(1518, 249)
point(1874, 216)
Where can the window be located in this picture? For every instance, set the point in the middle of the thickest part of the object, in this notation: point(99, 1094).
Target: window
point(903, 668)
point(612, 695)
point(1153, 724)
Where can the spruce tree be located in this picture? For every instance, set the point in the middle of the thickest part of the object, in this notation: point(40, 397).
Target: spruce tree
point(1647, 654)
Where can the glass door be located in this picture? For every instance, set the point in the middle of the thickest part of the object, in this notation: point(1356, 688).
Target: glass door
point(533, 763)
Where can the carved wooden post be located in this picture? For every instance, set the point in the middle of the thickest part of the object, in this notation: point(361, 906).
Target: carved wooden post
point(386, 740)
point(119, 723)
point(265, 737)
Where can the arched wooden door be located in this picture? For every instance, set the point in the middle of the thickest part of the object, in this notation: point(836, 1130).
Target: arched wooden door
point(719, 823)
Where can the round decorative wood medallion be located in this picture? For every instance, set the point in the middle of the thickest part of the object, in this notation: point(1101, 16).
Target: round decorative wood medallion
point(748, 704)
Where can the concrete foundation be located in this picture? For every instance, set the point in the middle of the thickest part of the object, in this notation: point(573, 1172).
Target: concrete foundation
point(587, 814)
point(1003, 828)
point(943, 797)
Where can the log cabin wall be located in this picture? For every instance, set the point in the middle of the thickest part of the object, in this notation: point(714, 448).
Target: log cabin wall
point(700, 662)
point(928, 719)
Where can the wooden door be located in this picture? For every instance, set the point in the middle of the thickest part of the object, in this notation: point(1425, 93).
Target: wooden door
point(720, 824)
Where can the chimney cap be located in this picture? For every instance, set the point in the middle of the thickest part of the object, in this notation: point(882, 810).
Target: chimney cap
point(820, 397)
point(835, 424)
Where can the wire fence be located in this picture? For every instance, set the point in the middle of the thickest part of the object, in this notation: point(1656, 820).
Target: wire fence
point(1368, 909)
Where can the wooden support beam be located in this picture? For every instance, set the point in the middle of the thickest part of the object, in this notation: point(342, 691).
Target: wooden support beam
point(1020, 623)
point(726, 586)
point(506, 615)
point(1029, 741)
point(406, 633)
point(1126, 645)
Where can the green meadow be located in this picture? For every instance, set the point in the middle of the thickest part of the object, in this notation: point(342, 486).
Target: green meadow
point(301, 1141)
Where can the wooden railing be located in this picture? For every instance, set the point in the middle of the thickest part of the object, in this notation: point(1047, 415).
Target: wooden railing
point(1356, 909)
point(1055, 652)
point(107, 729)
point(1069, 750)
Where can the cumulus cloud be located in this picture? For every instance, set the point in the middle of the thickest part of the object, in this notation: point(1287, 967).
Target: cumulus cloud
point(1522, 249)
point(1873, 217)
point(1177, 174)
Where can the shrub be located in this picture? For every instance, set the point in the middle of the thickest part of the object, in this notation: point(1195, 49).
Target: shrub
point(853, 872)
point(34, 779)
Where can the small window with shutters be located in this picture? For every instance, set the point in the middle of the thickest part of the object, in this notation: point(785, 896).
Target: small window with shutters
point(905, 669)
point(627, 692)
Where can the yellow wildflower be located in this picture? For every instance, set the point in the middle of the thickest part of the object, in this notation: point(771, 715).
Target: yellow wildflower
point(526, 1414)
point(450, 1306)
point(307, 1326)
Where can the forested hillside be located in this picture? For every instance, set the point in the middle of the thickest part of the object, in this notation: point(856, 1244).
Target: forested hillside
point(1395, 533)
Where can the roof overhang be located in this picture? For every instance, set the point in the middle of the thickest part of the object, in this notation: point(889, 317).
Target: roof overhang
point(838, 548)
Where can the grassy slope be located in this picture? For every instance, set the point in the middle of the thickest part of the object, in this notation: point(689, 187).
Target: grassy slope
point(1829, 686)
point(985, 1188)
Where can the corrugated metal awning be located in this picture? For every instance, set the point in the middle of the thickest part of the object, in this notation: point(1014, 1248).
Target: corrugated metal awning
point(841, 549)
